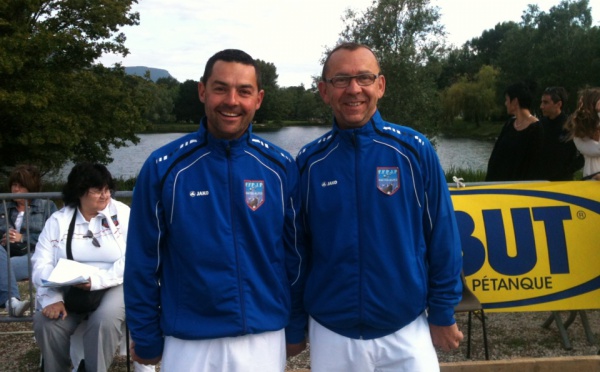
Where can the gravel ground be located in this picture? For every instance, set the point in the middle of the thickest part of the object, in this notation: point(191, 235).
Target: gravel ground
point(510, 336)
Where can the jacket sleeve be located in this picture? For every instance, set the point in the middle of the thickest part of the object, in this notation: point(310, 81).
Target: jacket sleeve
point(141, 279)
point(587, 146)
point(444, 253)
point(294, 241)
point(44, 260)
point(49, 208)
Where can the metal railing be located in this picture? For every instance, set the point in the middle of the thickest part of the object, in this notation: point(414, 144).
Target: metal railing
point(4, 198)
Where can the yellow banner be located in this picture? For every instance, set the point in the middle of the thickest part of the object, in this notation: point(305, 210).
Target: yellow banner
point(531, 246)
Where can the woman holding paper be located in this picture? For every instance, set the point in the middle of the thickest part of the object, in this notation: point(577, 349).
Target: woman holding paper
point(91, 229)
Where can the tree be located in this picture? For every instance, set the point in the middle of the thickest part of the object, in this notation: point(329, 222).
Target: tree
point(188, 107)
point(163, 93)
point(555, 48)
point(406, 35)
point(473, 98)
point(55, 104)
point(271, 104)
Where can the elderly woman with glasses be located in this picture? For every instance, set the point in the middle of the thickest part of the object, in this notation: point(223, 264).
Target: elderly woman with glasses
point(90, 229)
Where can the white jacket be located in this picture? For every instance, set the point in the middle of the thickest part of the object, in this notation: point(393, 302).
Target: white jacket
point(109, 228)
point(590, 149)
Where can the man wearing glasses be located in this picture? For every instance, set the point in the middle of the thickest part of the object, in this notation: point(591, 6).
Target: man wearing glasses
point(561, 158)
point(385, 264)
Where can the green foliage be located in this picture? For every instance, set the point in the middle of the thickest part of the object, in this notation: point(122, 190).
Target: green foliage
point(54, 103)
point(271, 107)
point(405, 35)
point(473, 99)
point(304, 104)
point(188, 108)
point(555, 48)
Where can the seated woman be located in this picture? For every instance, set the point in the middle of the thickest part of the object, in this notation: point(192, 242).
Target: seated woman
point(584, 125)
point(93, 228)
point(20, 217)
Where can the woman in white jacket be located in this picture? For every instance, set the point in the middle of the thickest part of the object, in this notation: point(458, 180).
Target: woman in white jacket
point(95, 227)
point(584, 125)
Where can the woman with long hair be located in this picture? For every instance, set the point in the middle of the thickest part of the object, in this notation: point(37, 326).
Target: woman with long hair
point(584, 126)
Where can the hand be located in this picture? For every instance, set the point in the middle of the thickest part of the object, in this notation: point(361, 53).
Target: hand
point(136, 358)
point(445, 338)
point(55, 311)
point(13, 237)
point(85, 286)
point(294, 349)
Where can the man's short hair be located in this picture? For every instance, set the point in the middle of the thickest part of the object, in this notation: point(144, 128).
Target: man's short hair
point(231, 55)
point(347, 45)
point(557, 94)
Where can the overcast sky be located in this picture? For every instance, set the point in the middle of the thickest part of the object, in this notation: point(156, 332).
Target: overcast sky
point(179, 36)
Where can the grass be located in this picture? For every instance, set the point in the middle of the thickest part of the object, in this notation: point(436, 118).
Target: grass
point(468, 175)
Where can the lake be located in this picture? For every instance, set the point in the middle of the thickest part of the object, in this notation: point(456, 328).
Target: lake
point(457, 153)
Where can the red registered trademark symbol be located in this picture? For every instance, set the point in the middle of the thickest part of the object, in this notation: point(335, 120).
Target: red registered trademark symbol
point(581, 215)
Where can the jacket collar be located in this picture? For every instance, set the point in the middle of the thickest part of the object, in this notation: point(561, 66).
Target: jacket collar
point(366, 130)
point(221, 144)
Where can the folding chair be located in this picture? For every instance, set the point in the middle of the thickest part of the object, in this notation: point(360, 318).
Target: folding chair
point(469, 303)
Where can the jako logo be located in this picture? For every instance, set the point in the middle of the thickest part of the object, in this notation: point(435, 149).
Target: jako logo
point(330, 183)
point(199, 193)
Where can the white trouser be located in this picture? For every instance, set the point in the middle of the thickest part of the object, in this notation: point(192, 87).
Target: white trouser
point(263, 352)
point(408, 350)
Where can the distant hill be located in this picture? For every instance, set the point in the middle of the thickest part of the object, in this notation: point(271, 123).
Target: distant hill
point(155, 73)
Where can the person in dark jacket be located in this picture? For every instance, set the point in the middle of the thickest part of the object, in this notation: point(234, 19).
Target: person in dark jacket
point(385, 254)
point(560, 158)
point(215, 262)
point(517, 153)
point(20, 226)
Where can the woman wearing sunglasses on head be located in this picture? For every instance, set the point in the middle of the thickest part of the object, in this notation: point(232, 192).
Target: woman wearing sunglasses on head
point(90, 229)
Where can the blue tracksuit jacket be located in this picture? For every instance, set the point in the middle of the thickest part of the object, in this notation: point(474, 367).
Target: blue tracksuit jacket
point(384, 244)
point(215, 244)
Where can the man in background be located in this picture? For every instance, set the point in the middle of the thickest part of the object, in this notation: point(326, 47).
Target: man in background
point(561, 158)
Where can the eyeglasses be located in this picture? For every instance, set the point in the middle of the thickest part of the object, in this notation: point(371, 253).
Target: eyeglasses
point(90, 234)
point(361, 79)
point(97, 192)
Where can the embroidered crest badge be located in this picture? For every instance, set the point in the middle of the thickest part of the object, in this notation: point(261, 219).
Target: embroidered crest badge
point(255, 193)
point(113, 218)
point(388, 180)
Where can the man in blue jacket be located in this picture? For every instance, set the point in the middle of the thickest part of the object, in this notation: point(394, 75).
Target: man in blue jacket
point(214, 255)
point(385, 255)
